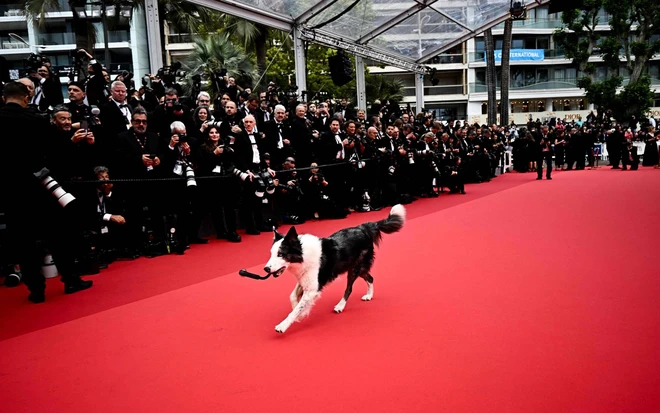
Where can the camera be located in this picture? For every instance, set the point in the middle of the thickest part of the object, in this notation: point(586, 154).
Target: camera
point(34, 61)
point(146, 83)
point(263, 183)
point(63, 197)
point(183, 138)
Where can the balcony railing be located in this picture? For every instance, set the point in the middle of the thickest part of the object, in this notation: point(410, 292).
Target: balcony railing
point(548, 54)
point(114, 36)
point(447, 58)
point(181, 38)
point(543, 85)
point(548, 23)
point(10, 10)
point(436, 90)
point(56, 39)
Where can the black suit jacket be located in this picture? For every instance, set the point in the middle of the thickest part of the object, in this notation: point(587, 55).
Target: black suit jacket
point(128, 153)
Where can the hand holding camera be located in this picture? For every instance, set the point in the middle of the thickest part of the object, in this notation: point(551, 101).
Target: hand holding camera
point(174, 141)
point(219, 150)
point(79, 135)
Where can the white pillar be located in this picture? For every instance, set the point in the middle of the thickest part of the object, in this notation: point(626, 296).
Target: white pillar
point(153, 35)
point(360, 83)
point(140, 45)
point(419, 92)
point(301, 65)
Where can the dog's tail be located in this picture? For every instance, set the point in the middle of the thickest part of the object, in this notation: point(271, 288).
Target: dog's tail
point(393, 223)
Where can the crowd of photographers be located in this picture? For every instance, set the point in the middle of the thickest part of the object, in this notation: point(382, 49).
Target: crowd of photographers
point(135, 171)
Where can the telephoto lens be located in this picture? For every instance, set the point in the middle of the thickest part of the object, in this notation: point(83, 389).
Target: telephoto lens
point(260, 185)
point(268, 181)
point(63, 197)
point(190, 176)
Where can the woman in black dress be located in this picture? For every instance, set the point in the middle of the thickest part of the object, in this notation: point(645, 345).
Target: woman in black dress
point(220, 193)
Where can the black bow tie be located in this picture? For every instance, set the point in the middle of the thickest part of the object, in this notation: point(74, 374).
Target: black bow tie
point(123, 106)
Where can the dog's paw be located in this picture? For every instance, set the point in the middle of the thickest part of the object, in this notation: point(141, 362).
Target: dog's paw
point(367, 297)
point(281, 328)
point(340, 306)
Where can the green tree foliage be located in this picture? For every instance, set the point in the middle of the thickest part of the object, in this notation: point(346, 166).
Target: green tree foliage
point(626, 50)
point(213, 53)
point(282, 71)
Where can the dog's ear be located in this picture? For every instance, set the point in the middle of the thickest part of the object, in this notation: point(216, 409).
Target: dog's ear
point(276, 235)
point(292, 234)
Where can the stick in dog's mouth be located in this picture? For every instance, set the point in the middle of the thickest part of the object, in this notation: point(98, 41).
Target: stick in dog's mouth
point(277, 273)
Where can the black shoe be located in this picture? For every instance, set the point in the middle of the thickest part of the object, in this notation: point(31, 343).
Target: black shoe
point(548, 178)
point(539, 178)
point(462, 192)
point(77, 286)
point(233, 237)
point(199, 241)
point(37, 297)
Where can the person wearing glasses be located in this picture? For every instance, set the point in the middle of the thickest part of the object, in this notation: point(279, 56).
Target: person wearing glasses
point(138, 156)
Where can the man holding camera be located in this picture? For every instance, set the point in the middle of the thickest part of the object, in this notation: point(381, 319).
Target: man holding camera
point(139, 155)
point(34, 215)
point(171, 111)
point(247, 148)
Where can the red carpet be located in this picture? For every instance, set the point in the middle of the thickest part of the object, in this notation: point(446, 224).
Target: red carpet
point(521, 296)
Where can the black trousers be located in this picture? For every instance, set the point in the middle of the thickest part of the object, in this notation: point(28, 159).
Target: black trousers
point(251, 210)
point(547, 156)
point(31, 237)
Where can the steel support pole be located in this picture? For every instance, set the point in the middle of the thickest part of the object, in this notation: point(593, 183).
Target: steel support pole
point(360, 83)
point(153, 35)
point(419, 92)
point(301, 64)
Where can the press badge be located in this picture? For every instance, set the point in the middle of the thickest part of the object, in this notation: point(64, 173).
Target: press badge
point(104, 230)
point(178, 169)
point(217, 170)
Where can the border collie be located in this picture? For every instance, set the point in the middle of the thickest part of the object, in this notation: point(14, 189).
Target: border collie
point(315, 262)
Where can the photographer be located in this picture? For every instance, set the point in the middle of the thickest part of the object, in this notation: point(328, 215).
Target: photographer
point(454, 176)
point(246, 146)
point(47, 93)
point(77, 107)
point(139, 155)
point(278, 136)
point(171, 111)
point(71, 155)
point(183, 206)
point(34, 214)
point(289, 193)
point(110, 223)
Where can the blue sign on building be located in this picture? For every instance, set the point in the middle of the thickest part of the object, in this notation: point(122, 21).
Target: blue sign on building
point(521, 55)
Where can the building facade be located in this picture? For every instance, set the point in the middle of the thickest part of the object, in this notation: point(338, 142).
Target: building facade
point(53, 37)
point(543, 80)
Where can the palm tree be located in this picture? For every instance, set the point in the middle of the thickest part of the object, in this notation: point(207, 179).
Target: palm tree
point(254, 37)
point(383, 88)
point(212, 54)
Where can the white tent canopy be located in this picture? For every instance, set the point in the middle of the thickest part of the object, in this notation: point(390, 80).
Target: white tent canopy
point(401, 33)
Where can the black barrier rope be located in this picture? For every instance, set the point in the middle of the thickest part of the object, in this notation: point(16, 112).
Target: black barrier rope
point(183, 177)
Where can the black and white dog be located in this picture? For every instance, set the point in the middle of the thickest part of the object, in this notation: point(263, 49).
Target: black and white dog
point(315, 262)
